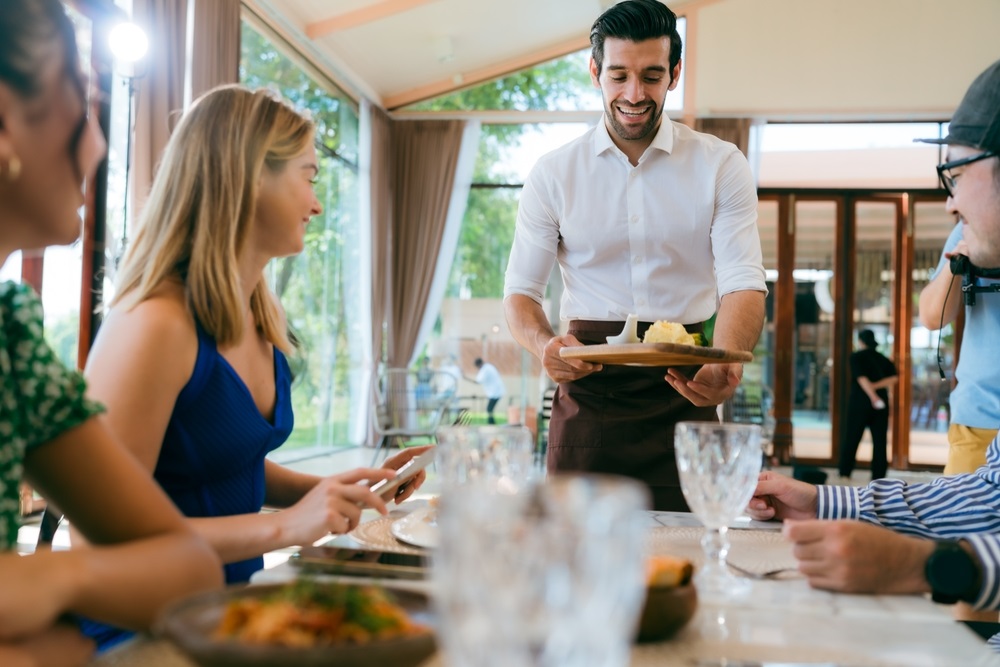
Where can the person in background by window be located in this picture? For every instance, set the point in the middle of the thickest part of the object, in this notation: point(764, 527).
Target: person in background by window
point(191, 358)
point(50, 433)
point(423, 391)
point(868, 406)
point(947, 533)
point(975, 398)
point(489, 377)
point(643, 216)
point(450, 367)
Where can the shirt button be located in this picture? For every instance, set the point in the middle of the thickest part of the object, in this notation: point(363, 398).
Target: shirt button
point(642, 302)
point(635, 218)
point(637, 259)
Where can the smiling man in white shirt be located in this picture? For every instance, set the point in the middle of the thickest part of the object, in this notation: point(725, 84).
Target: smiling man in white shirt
point(644, 216)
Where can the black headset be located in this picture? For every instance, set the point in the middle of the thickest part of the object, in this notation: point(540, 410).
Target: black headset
point(961, 266)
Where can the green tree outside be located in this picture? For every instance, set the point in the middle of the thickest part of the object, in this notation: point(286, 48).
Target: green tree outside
point(314, 287)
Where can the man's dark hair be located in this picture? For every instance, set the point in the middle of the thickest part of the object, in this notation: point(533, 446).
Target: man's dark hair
point(867, 337)
point(478, 362)
point(636, 21)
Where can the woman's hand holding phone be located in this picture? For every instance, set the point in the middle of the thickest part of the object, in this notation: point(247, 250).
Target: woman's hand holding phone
point(335, 504)
point(332, 506)
point(409, 482)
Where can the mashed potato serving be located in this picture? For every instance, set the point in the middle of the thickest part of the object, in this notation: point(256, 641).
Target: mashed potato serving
point(662, 331)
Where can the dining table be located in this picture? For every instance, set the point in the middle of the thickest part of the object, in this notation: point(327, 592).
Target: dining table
point(782, 622)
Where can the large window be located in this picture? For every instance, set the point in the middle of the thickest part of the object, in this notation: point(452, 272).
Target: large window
point(318, 288)
point(848, 155)
point(562, 84)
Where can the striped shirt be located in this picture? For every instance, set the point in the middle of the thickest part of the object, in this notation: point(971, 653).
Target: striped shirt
point(965, 506)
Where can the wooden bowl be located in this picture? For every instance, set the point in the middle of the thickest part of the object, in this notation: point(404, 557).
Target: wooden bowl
point(665, 611)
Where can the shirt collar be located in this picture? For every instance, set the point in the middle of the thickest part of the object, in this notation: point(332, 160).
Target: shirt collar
point(663, 141)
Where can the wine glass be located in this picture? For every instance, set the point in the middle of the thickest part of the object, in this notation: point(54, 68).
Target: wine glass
point(719, 465)
point(503, 454)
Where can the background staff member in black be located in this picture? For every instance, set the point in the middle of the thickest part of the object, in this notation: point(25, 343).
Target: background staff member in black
point(868, 405)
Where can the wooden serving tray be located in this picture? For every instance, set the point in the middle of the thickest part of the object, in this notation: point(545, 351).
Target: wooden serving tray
point(654, 354)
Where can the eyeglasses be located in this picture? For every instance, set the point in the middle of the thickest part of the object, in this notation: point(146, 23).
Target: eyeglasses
point(944, 170)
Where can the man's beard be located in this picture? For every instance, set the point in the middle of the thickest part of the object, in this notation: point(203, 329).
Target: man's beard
point(634, 133)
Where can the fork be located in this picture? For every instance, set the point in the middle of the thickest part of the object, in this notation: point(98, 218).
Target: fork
point(768, 574)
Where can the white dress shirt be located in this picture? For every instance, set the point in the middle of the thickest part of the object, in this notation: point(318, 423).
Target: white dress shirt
point(665, 239)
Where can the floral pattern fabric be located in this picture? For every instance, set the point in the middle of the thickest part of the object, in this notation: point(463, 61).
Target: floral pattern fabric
point(39, 397)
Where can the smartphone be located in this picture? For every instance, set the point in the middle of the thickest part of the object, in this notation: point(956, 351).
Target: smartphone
point(365, 562)
point(388, 489)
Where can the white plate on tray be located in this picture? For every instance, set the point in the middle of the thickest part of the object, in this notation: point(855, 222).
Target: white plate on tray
point(418, 528)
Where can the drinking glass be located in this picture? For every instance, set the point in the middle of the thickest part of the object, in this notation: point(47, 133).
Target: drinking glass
point(503, 454)
point(719, 465)
point(550, 574)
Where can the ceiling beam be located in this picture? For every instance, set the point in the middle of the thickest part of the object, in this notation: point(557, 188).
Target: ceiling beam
point(352, 19)
point(483, 74)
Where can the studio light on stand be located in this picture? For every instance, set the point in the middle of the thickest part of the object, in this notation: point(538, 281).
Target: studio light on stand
point(129, 46)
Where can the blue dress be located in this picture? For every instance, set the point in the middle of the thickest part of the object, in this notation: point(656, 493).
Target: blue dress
point(212, 458)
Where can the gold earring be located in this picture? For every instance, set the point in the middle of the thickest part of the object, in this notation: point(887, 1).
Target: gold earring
point(13, 168)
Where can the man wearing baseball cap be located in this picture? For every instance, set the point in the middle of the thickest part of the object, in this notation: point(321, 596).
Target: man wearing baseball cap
point(944, 537)
point(973, 143)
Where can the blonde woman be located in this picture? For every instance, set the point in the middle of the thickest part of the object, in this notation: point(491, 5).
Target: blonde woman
point(191, 359)
point(50, 433)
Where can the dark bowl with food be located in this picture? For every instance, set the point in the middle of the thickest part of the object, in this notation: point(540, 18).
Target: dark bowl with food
point(666, 610)
point(306, 624)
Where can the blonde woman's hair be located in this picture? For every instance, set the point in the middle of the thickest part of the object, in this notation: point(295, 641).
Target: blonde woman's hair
point(196, 219)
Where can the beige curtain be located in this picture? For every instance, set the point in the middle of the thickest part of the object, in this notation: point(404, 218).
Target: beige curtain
point(160, 95)
point(733, 130)
point(381, 213)
point(424, 158)
point(215, 48)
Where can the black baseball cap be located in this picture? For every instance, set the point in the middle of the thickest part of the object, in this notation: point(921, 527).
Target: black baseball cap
point(976, 122)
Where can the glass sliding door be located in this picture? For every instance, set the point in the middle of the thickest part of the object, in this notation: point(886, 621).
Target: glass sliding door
point(816, 224)
point(875, 229)
point(929, 410)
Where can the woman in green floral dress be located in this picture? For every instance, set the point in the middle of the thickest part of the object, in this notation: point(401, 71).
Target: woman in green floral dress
point(144, 555)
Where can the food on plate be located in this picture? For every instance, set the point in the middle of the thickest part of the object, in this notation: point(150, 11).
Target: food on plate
point(306, 614)
point(662, 331)
point(668, 571)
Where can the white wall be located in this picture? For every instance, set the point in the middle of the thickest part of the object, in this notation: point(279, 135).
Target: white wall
point(905, 59)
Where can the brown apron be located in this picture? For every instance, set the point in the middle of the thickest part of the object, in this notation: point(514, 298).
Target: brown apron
point(621, 420)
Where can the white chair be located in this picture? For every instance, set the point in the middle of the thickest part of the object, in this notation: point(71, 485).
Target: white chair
point(406, 407)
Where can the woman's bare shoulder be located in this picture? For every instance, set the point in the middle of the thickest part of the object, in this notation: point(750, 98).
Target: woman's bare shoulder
point(160, 324)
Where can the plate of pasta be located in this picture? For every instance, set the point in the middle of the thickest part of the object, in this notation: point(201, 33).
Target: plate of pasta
point(305, 623)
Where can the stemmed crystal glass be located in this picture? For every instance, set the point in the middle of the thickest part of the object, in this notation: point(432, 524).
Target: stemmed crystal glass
point(719, 465)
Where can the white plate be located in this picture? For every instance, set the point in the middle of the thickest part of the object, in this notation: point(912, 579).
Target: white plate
point(418, 528)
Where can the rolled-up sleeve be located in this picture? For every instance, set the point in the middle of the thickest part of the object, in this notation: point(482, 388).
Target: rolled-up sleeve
point(536, 240)
point(735, 240)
